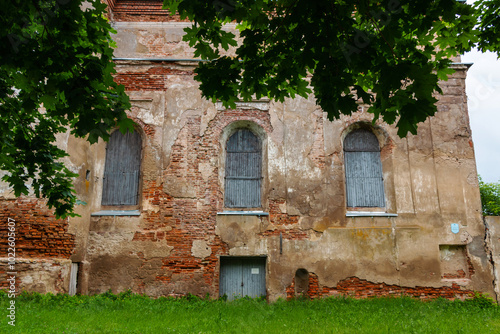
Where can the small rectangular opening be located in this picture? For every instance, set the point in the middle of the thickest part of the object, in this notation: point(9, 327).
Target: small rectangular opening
point(454, 262)
point(73, 279)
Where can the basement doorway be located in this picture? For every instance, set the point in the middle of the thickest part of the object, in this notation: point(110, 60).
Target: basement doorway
point(242, 276)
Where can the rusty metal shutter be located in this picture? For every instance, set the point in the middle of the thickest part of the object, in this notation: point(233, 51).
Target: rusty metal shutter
point(243, 170)
point(363, 170)
point(122, 169)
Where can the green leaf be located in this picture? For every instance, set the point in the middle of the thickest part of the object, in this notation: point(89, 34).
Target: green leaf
point(390, 53)
point(490, 197)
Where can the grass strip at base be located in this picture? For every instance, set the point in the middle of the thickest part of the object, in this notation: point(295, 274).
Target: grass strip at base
point(131, 313)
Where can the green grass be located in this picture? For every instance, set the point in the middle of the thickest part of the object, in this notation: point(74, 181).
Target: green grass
point(129, 313)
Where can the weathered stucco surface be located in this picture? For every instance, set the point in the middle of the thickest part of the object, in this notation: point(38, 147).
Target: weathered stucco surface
point(174, 245)
point(39, 275)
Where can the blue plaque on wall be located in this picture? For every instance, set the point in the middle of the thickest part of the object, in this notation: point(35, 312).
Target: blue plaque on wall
point(455, 228)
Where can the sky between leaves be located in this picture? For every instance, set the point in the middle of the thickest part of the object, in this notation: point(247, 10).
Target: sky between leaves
point(483, 94)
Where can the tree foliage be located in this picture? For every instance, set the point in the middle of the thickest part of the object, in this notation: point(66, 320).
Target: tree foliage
point(490, 197)
point(56, 67)
point(55, 73)
point(488, 29)
point(389, 54)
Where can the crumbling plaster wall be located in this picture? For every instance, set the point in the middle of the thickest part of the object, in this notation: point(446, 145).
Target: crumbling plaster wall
point(173, 246)
point(429, 179)
point(43, 245)
point(493, 242)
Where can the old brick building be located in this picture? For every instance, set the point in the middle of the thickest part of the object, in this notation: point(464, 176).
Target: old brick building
point(268, 198)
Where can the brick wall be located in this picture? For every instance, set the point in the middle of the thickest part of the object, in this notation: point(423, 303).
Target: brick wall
point(178, 219)
point(155, 78)
point(360, 288)
point(194, 217)
point(42, 246)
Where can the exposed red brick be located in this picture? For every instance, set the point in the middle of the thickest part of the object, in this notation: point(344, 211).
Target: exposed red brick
point(183, 217)
point(317, 153)
point(360, 288)
point(279, 218)
point(140, 10)
point(155, 78)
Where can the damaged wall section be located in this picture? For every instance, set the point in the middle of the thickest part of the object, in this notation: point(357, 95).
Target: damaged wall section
point(171, 243)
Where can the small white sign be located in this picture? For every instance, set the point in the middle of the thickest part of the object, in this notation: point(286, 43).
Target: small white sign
point(455, 228)
point(255, 271)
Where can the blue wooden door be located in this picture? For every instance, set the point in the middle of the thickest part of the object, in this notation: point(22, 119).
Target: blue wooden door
point(242, 276)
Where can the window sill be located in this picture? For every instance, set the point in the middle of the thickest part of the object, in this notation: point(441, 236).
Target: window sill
point(243, 213)
point(116, 213)
point(369, 214)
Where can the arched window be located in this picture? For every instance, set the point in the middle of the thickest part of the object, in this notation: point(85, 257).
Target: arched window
point(363, 170)
point(122, 169)
point(243, 170)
